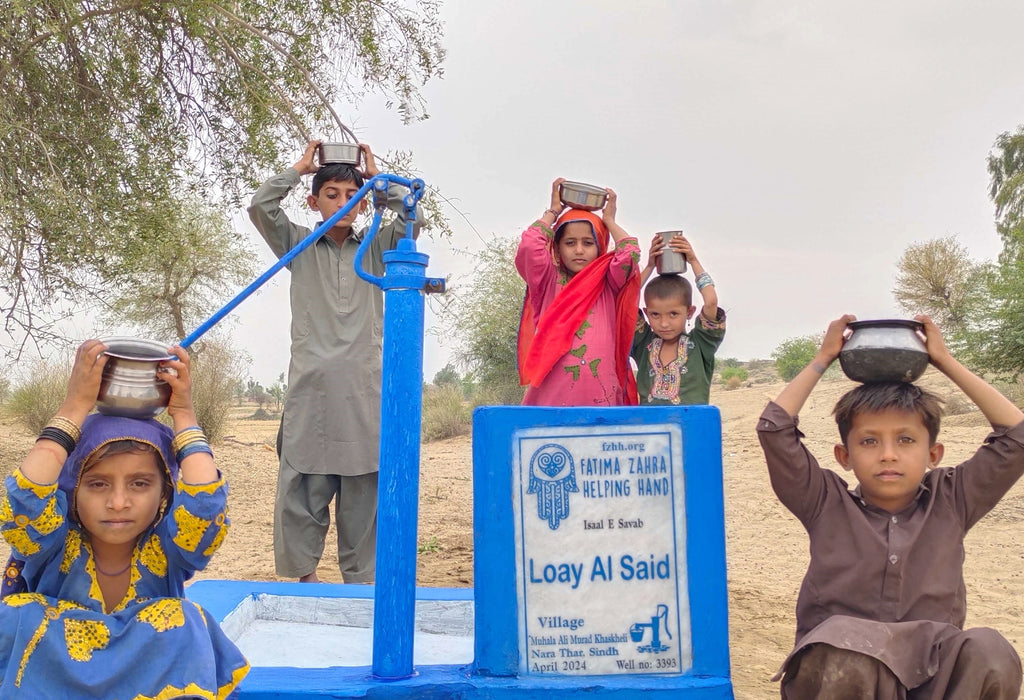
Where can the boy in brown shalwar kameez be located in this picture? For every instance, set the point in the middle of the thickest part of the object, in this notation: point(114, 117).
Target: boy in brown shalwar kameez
point(881, 610)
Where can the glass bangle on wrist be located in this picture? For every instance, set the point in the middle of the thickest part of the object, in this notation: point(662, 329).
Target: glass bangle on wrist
point(63, 431)
point(59, 436)
point(193, 448)
point(188, 436)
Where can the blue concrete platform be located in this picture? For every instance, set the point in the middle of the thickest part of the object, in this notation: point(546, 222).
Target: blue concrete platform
point(221, 598)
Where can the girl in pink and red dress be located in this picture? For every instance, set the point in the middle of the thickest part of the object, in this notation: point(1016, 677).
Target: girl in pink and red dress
point(580, 308)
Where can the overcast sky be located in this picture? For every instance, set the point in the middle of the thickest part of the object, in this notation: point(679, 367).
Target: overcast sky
point(802, 145)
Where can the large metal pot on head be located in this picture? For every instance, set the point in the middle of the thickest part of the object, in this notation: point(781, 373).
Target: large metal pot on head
point(884, 350)
point(131, 386)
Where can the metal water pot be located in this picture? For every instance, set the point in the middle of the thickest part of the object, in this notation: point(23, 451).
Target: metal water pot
point(884, 350)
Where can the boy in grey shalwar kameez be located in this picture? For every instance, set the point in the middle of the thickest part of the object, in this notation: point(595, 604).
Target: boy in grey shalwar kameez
point(331, 427)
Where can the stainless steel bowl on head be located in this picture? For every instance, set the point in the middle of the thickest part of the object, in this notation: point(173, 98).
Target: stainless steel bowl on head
point(338, 152)
point(580, 195)
point(884, 350)
point(131, 386)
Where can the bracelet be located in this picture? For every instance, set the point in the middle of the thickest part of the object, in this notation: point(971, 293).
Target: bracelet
point(704, 280)
point(67, 425)
point(59, 436)
point(187, 437)
point(193, 448)
point(196, 439)
point(553, 212)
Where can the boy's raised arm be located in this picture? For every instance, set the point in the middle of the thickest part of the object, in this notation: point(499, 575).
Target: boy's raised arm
point(793, 397)
point(997, 409)
point(707, 292)
point(657, 247)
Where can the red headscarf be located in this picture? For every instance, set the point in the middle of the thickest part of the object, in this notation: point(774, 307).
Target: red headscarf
point(567, 312)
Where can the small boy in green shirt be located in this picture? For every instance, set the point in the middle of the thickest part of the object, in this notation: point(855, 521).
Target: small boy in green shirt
point(675, 367)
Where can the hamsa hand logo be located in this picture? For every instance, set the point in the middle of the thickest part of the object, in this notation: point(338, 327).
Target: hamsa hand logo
point(552, 478)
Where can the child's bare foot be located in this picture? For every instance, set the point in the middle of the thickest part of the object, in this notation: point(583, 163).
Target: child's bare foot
point(310, 578)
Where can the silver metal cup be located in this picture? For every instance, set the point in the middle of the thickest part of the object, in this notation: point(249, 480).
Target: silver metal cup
point(670, 262)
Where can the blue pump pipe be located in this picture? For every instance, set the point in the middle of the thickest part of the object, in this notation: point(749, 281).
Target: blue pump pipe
point(404, 283)
point(301, 246)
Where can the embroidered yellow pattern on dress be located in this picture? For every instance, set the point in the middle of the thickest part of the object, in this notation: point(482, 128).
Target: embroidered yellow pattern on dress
point(163, 615)
point(45, 523)
point(196, 489)
point(133, 578)
point(49, 520)
point(50, 613)
point(222, 531)
point(83, 637)
point(20, 541)
point(40, 490)
point(191, 529)
point(94, 586)
point(190, 690)
point(16, 600)
point(152, 556)
point(72, 548)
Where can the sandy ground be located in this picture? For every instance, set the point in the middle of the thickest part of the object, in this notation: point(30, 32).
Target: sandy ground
point(766, 546)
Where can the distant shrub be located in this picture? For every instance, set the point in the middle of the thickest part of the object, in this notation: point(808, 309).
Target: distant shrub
point(217, 368)
point(728, 362)
point(498, 393)
point(5, 385)
point(36, 399)
point(1012, 389)
point(957, 404)
point(730, 373)
point(444, 414)
point(793, 354)
point(733, 382)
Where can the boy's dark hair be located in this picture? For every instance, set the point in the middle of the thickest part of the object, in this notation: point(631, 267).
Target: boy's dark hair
point(336, 172)
point(883, 396)
point(670, 287)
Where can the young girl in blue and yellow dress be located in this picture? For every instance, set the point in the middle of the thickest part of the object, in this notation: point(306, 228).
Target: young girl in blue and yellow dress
point(107, 518)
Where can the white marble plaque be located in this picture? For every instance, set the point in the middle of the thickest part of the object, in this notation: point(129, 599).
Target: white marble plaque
point(601, 550)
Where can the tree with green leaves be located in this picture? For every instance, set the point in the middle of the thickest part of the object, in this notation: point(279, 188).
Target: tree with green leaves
point(793, 354)
point(109, 108)
point(188, 261)
point(1004, 346)
point(938, 278)
point(447, 376)
point(278, 391)
point(484, 317)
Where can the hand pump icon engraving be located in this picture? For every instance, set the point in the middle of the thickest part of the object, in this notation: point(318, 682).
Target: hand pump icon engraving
point(636, 632)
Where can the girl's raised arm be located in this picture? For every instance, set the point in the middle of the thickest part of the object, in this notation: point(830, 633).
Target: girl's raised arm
point(43, 463)
point(611, 208)
point(192, 449)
